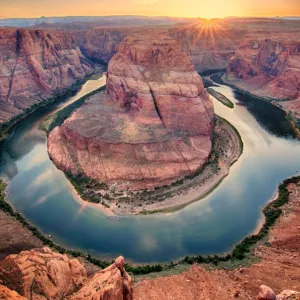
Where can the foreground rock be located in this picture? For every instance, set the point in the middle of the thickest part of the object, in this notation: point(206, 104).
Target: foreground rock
point(7, 294)
point(44, 274)
point(110, 283)
point(288, 295)
point(152, 126)
point(36, 65)
point(266, 293)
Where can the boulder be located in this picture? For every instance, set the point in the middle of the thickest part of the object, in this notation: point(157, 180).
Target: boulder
point(266, 293)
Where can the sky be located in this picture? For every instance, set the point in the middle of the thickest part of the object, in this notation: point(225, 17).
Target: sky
point(176, 8)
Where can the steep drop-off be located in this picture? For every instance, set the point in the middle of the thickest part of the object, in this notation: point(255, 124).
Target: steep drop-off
point(151, 127)
point(36, 65)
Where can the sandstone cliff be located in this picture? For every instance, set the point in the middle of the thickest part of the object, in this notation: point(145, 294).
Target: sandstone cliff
point(100, 44)
point(44, 274)
point(152, 126)
point(36, 65)
point(269, 67)
point(209, 45)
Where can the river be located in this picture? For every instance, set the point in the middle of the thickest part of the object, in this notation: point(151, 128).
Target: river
point(213, 225)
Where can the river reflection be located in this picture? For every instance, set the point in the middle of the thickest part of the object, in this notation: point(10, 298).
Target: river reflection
point(212, 225)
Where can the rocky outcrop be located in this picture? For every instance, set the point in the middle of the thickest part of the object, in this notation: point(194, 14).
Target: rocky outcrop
point(7, 294)
point(44, 274)
point(288, 295)
point(269, 67)
point(151, 127)
point(111, 283)
point(36, 65)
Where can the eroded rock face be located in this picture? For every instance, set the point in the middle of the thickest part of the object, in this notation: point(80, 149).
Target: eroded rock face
point(288, 295)
point(269, 68)
point(42, 274)
point(152, 126)
point(111, 283)
point(36, 65)
point(7, 294)
point(209, 46)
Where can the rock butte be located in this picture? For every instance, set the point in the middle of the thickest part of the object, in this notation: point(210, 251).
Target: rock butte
point(152, 126)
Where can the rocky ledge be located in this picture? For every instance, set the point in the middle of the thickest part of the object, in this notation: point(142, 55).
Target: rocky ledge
point(152, 126)
point(44, 274)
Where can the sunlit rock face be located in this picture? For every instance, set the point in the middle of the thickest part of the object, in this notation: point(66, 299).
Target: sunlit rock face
point(269, 66)
point(43, 274)
point(151, 127)
point(36, 65)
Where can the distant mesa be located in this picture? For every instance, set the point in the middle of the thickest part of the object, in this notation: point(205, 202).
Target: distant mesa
point(152, 126)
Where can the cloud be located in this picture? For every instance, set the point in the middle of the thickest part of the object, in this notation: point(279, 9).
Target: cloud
point(146, 2)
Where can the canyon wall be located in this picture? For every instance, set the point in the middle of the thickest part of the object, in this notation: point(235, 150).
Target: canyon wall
point(209, 46)
point(36, 65)
point(269, 68)
point(151, 127)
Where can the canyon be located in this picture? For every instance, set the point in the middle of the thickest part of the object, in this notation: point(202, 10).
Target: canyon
point(269, 68)
point(44, 62)
point(152, 126)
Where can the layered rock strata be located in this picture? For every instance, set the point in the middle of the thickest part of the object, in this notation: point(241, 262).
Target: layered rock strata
point(269, 68)
point(152, 126)
point(36, 65)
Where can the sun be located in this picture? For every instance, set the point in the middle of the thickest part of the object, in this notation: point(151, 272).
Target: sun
point(209, 33)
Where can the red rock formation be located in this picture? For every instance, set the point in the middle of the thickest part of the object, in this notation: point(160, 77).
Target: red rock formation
point(101, 44)
point(266, 293)
point(36, 65)
point(44, 274)
point(7, 294)
point(111, 283)
point(152, 126)
point(269, 67)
